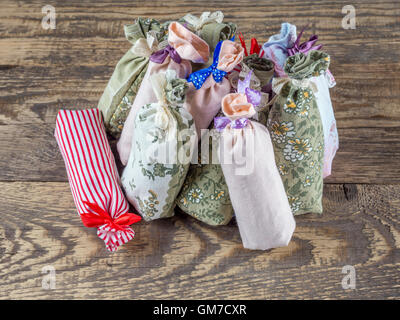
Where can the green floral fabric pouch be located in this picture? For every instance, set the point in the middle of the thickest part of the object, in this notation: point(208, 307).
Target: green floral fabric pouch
point(147, 36)
point(205, 195)
point(163, 145)
point(210, 27)
point(295, 126)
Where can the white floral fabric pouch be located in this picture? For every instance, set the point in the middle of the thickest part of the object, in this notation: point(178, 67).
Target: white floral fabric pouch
point(162, 147)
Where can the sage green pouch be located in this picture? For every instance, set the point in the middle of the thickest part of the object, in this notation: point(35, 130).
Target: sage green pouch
point(210, 27)
point(122, 87)
point(295, 126)
point(262, 68)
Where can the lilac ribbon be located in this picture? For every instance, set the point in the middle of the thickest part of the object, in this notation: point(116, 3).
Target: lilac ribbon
point(221, 122)
point(159, 56)
point(304, 47)
point(253, 96)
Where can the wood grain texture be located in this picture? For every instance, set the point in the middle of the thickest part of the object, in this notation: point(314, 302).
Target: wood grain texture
point(366, 155)
point(42, 71)
point(183, 258)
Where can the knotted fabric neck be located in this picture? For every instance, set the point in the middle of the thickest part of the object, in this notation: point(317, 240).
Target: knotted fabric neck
point(160, 56)
point(199, 77)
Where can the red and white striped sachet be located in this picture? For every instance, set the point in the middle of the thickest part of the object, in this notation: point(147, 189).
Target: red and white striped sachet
point(93, 176)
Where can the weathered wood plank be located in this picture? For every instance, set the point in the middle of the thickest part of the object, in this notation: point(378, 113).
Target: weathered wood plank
point(35, 94)
point(30, 153)
point(94, 31)
point(42, 71)
point(183, 258)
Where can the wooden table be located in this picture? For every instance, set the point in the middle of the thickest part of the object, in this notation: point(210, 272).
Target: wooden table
point(42, 71)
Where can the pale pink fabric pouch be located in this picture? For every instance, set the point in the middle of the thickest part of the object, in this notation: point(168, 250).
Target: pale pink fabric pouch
point(184, 47)
point(256, 190)
point(208, 86)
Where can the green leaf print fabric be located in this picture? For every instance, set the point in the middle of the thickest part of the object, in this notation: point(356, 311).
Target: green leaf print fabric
point(163, 143)
point(146, 35)
point(205, 195)
point(295, 126)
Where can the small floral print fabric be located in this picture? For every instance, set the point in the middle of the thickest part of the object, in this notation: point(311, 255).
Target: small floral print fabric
point(152, 182)
point(296, 131)
point(125, 81)
point(205, 195)
point(121, 112)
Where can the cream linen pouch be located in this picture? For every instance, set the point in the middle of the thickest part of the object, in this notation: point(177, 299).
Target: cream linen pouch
point(256, 190)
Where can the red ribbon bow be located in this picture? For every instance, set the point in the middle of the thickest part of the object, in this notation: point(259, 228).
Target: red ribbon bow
point(254, 46)
point(92, 220)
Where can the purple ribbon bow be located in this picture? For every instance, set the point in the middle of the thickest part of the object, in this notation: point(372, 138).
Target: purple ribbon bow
point(221, 122)
point(253, 96)
point(304, 47)
point(159, 56)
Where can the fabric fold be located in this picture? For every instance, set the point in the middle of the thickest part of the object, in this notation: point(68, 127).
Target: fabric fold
point(190, 48)
point(210, 27)
point(163, 143)
point(209, 85)
point(146, 35)
point(276, 48)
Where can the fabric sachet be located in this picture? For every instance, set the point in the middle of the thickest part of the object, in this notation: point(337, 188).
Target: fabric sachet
point(163, 144)
point(183, 48)
point(257, 194)
point(210, 27)
point(323, 82)
point(263, 68)
point(208, 86)
point(275, 49)
point(205, 194)
point(93, 176)
point(146, 36)
point(295, 126)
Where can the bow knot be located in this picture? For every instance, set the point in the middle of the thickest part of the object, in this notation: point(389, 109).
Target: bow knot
point(113, 232)
point(221, 122)
point(159, 56)
point(279, 83)
point(102, 218)
point(147, 46)
point(304, 47)
point(253, 96)
point(199, 77)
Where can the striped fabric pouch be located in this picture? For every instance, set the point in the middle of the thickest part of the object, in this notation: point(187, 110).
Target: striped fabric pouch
point(93, 176)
